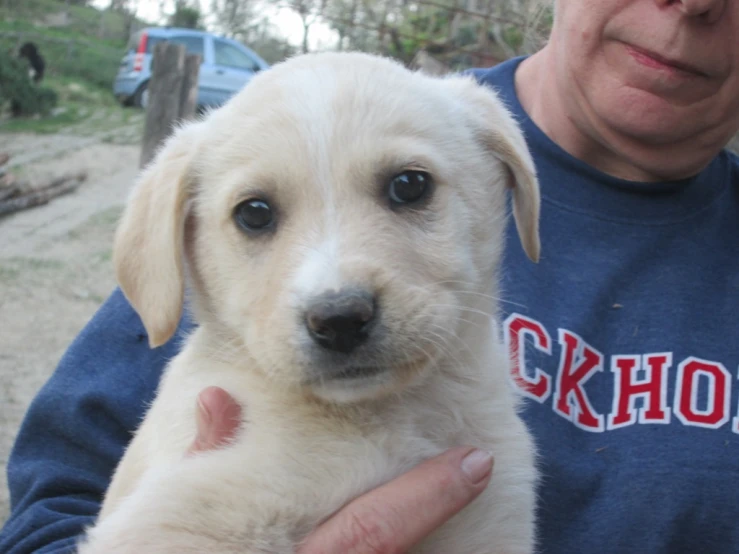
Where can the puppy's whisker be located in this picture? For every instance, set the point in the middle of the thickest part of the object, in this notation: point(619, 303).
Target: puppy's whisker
point(452, 357)
point(463, 308)
point(445, 346)
point(463, 344)
point(490, 297)
point(458, 318)
point(442, 344)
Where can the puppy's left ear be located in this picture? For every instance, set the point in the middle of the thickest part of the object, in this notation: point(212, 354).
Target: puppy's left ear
point(500, 133)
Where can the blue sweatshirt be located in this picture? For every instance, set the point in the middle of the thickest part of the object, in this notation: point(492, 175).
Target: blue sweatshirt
point(624, 337)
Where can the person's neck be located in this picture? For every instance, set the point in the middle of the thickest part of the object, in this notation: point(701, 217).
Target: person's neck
point(624, 157)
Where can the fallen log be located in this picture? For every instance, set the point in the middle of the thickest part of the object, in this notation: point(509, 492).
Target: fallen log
point(6, 179)
point(56, 181)
point(42, 195)
point(11, 191)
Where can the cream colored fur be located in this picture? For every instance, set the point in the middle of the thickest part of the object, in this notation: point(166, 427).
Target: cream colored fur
point(320, 136)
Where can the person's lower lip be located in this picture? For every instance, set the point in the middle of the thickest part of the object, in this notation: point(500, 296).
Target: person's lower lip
point(645, 59)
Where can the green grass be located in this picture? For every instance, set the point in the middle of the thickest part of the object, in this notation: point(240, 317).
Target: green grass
point(84, 21)
point(79, 102)
point(68, 55)
point(42, 125)
point(83, 48)
point(11, 25)
point(104, 256)
point(8, 273)
point(11, 269)
point(82, 58)
point(105, 219)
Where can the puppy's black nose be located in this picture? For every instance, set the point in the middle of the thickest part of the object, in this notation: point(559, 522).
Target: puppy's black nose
point(340, 321)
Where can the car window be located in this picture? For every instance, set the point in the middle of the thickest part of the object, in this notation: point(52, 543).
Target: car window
point(230, 56)
point(193, 45)
point(151, 42)
point(135, 42)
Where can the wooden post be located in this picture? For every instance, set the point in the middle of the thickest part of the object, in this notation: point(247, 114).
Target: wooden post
point(163, 109)
point(189, 90)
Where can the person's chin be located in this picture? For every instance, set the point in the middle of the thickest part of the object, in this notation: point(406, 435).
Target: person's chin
point(640, 114)
point(658, 142)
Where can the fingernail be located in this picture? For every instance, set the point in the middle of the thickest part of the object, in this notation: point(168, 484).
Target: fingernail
point(477, 465)
point(203, 419)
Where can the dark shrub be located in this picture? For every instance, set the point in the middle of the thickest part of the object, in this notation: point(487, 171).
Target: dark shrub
point(18, 91)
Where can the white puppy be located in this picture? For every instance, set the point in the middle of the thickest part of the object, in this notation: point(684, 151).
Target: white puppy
point(339, 223)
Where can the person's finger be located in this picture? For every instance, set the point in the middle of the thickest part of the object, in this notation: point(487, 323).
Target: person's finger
point(218, 417)
point(398, 515)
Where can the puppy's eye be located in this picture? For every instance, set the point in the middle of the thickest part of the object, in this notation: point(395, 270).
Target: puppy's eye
point(253, 215)
point(409, 187)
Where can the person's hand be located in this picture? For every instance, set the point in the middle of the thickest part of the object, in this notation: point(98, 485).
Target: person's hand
point(388, 520)
point(398, 515)
point(218, 417)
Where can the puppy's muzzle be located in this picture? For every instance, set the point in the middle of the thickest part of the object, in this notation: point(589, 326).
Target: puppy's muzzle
point(341, 321)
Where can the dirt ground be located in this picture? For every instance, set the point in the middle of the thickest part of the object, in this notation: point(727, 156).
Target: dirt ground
point(55, 260)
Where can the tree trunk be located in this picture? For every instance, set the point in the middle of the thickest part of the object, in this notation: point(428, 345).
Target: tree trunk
point(306, 29)
point(428, 64)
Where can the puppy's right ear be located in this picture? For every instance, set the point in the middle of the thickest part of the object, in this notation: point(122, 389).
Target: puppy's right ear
point(148, 249)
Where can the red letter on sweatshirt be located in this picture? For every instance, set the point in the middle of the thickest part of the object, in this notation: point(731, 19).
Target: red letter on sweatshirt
point(652, 388)
point(579, 362)
point(516, 329)
point(716, 380)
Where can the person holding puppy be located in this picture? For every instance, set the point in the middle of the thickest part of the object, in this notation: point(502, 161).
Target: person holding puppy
point(622, 334)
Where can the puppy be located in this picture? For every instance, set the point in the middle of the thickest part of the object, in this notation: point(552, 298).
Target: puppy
point(339, 224)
